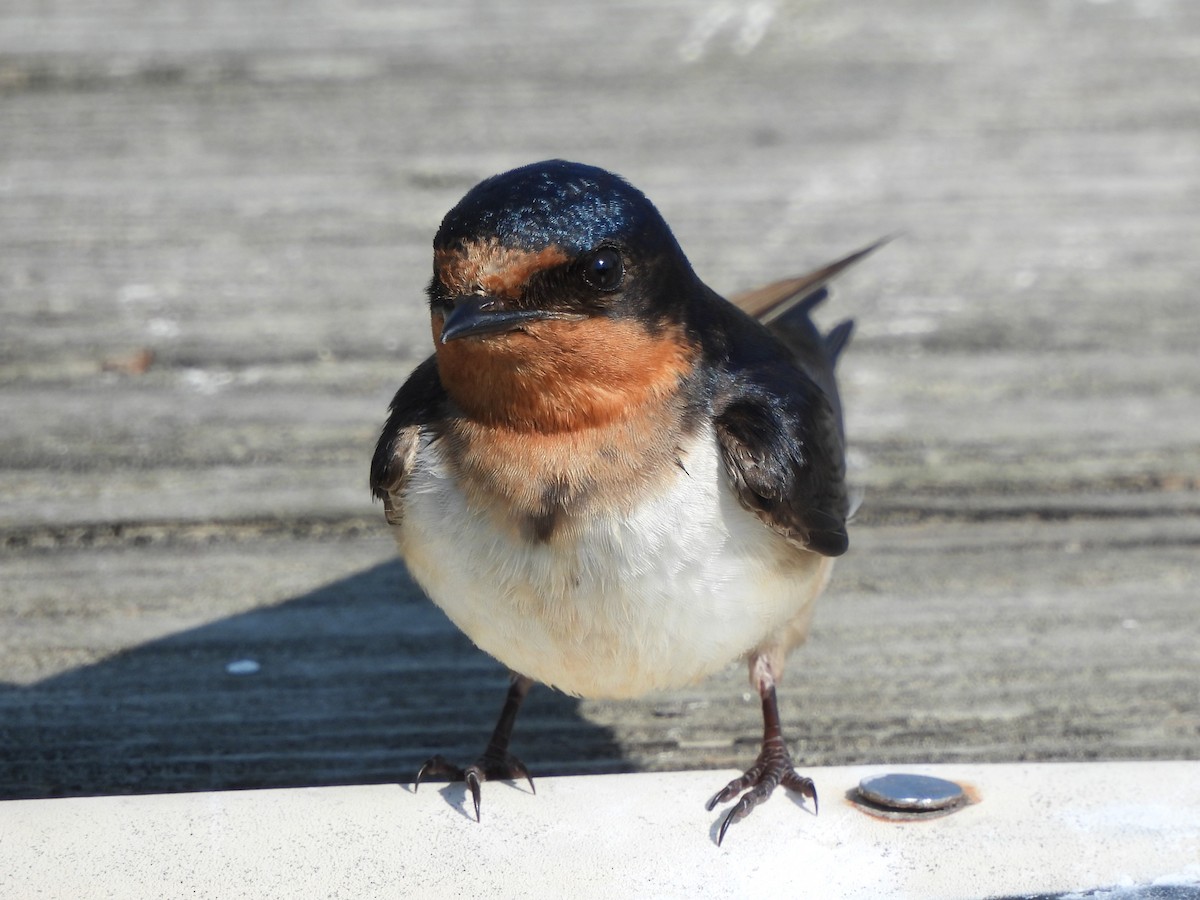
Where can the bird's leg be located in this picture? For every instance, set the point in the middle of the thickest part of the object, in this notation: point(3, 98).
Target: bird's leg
point(496, 763)
point(772, 768)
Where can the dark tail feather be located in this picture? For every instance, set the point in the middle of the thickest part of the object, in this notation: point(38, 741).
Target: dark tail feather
point(838, 338)
point(800, 294)
point(784, 307)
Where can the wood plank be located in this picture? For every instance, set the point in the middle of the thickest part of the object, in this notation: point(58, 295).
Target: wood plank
point(248, 192)
point(938, 642)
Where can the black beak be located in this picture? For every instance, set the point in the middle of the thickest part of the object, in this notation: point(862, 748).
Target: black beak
point(474, 314)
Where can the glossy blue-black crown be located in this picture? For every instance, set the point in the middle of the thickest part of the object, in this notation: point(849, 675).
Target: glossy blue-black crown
point(568, 204)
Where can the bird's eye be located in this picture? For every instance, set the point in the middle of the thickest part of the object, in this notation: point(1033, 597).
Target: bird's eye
point(604, 270)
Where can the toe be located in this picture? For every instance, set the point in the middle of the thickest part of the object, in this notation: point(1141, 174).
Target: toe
point(437, 766)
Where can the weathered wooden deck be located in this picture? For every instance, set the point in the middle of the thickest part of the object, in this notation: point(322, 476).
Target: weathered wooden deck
point(214, 231)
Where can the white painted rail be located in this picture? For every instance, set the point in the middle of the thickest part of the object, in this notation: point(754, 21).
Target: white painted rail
point(1039, 829)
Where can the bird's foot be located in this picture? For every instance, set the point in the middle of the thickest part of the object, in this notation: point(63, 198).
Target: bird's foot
point(491, 766)
point(773, 767)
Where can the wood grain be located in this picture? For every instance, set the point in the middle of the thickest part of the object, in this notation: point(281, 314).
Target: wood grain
point(215, 225)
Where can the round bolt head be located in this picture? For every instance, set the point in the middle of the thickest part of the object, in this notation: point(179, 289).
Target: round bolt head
point(910, 793)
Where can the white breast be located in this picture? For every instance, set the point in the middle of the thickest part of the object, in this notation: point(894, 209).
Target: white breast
point(654, 599)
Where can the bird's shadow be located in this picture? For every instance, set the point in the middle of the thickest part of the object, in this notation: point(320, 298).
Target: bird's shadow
point(456, 795)
point(356, 682)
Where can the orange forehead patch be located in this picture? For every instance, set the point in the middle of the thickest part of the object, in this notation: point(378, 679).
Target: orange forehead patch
point(493, 269)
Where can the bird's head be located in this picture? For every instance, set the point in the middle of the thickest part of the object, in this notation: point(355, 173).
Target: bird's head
point(557, 299)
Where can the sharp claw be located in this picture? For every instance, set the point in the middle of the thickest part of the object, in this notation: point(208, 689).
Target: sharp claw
point(719, 797)
point(472, 780)
point(728, 792)
point(517, 771)
point(734, 815)
point(724, 827)
point(803, 786)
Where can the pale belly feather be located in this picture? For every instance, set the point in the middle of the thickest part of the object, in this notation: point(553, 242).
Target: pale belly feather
point(651, 599)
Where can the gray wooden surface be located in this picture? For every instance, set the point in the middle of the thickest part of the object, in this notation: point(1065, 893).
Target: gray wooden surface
point(246, 192)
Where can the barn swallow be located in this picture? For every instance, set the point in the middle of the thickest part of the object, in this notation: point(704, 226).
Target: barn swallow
point(612, 479)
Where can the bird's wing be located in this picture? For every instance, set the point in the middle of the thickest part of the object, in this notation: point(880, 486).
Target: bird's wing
point(779, 425)
point(418, 402)
point(781, 442)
